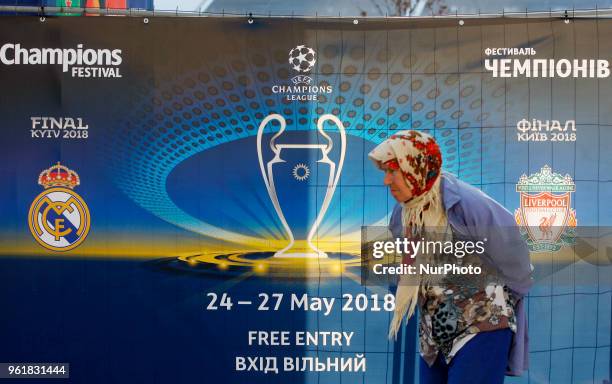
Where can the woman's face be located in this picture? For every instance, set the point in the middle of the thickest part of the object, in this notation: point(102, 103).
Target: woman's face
point(396, 183)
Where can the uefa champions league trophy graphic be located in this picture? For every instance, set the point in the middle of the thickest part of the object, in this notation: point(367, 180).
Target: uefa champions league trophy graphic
point(301, 180)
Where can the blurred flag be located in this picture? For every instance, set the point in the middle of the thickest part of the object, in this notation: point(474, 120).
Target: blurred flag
point(108, 4)
point(92, 4)
point(116, 4)
point(68, 4)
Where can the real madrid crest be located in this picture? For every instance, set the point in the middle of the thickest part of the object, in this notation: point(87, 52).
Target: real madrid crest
point(59, 218)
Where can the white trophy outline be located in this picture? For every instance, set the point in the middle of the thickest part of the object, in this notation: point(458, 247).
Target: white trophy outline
point(334, 176)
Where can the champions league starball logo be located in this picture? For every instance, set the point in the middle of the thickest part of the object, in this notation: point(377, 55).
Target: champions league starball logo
point(302, 58)
point(59, 218)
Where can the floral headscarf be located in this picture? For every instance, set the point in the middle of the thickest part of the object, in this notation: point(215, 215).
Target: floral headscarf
point(416, 154)
point(418, 157)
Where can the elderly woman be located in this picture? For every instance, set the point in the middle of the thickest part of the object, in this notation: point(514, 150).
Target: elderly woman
point(466, 334)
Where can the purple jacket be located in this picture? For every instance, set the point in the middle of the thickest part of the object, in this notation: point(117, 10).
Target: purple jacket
point(472, 213)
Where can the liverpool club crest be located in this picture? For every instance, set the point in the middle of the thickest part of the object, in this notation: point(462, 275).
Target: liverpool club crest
point(545, 216)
